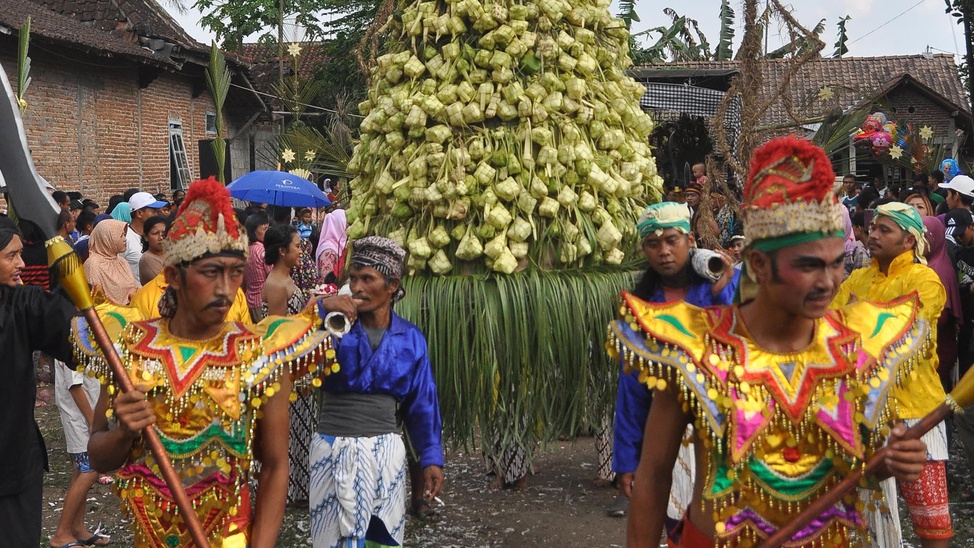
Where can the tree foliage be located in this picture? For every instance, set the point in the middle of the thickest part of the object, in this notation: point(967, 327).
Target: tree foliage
point(725, 46)
point(799, 44)
point(840, 44)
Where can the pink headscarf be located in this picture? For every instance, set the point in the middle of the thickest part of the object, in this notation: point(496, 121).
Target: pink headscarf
point(333, 236)
point(850, 234)
point(939, 261)
point(105, 268)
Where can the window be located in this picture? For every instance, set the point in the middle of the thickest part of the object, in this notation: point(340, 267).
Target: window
point(179, 175)
point(211, 123)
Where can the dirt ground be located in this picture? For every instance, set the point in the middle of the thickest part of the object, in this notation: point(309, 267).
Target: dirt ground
point(560, 508)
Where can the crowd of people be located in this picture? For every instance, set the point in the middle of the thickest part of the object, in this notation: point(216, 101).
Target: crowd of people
point(747, 389)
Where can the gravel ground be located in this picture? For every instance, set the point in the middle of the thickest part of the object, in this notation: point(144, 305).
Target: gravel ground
point(560, 507)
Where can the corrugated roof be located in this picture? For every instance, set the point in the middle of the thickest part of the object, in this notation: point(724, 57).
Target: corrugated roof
point(852, 80)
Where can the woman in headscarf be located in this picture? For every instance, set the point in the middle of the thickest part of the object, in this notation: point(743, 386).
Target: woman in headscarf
point(122, 212)
point(856, 254)
point(105, 268)
point(331, 247)
point(952, 316)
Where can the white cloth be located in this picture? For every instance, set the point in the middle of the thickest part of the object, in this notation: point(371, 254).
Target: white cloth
point(935, 438)
point(684, 471)
point(76, 428)
point(352, 480)
point(133, 252)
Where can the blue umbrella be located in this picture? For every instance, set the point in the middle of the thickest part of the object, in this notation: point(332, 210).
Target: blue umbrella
point(278, 188)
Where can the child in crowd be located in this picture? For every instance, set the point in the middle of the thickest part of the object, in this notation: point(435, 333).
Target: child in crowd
point(76, 395)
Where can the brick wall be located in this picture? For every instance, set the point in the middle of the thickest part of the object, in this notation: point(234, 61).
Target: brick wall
point(91, 128)
point(913, 106)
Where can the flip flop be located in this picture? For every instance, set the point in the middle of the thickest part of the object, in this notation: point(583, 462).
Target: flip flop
point(429, 515)
point(71, 545)
point(93, 540)
point(97, 536)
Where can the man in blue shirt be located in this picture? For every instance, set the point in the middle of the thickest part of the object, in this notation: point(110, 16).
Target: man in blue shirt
point(668, 243)
point(358, 460)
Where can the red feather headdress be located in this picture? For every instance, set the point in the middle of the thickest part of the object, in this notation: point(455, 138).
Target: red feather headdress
point(204, 224)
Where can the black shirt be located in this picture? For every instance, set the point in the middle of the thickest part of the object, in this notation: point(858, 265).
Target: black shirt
point(30, 319)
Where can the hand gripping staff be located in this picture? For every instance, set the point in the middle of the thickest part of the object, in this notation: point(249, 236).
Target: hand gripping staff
point(960, 397)
point(66, 267)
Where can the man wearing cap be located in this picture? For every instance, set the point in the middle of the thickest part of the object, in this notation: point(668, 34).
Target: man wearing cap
point(215, 391)
point(897, 246)
point(358, 460)
point(958, 231)
point(786, 396)
point(960, 192)
point(667, 243)
point(31, 319)
point(144, 205)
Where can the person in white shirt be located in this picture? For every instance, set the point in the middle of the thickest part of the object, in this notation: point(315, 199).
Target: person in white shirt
point(143, 205)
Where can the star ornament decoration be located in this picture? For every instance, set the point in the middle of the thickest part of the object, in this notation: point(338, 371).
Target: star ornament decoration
point(294, 49)
point(926, 133)
point(287, 155)
point(896, 152)
point(826, 94)
point(309, 155)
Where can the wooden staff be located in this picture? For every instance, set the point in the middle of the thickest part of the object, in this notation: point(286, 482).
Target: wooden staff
point(66, 266)
point(960, 397)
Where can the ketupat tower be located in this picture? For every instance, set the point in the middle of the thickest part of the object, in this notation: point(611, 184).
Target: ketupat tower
point(504, 147)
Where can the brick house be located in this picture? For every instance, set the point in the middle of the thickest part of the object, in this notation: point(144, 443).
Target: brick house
point(921, 89)
point(118, 97)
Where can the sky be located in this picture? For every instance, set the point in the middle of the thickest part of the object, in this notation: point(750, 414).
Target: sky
point(877, 27)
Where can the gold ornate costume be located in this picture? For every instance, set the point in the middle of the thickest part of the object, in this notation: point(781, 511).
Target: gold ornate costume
point(206, 396)
point(777, 429)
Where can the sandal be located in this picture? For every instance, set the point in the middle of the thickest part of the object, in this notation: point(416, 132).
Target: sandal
point(96, 538)
point(425, 513)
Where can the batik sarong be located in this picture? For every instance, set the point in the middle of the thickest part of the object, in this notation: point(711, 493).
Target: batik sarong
point(358, 491)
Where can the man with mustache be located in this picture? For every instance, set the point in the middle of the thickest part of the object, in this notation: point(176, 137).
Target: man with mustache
point(786, 396)
point(30, 319)
point(897, 244)
point(216, 391)
point(381, 371)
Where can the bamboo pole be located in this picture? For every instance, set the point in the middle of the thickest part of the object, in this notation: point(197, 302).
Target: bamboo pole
point(960, 397)
point(67, 268)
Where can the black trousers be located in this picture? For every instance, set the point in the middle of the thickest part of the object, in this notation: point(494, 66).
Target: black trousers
point(20, 514)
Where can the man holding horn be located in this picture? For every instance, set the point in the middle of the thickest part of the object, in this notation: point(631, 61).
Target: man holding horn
point(215, 391)
point(786, 396)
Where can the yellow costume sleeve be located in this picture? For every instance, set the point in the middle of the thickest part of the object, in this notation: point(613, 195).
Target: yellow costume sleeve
point(292, 345)
point(87, 353)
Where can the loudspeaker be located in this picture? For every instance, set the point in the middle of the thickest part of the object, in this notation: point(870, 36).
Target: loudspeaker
point(208, 161)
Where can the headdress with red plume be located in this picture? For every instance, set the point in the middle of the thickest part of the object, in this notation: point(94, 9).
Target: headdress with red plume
point(788, 198)
point(205, 225)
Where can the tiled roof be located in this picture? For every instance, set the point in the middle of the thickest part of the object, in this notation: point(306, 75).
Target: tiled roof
point(144, 18)
point(264, 70)
point(852, 80)
point(69, 32)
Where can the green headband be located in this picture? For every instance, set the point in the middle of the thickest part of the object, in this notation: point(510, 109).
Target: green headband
point(664, 215)
point(909, 219)
point(904, 215)
point(768, 245)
